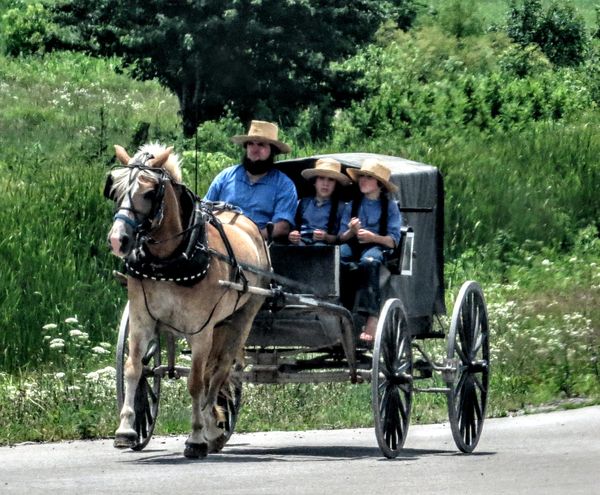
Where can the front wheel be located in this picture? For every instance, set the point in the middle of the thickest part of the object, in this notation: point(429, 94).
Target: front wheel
point(392, 382)
point(469, 356)
point(147, 393)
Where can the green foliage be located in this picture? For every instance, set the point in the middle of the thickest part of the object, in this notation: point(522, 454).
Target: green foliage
point(460, 18)
point(559, 31)
point(26, 28)
point(424, 82)
point(240, 54)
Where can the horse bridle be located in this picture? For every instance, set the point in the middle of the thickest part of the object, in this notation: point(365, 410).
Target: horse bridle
point(141, 223)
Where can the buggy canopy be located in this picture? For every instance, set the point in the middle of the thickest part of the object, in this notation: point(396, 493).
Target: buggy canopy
point(421, 199)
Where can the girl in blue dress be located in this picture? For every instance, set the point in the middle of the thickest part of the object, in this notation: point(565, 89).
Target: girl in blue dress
point(370, 225)
point(318, 217)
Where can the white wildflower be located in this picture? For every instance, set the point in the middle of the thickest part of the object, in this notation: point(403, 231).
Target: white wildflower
point(57, 343)
point(75, 332)
point(99, 350)
point(93, 376)
point(49, 326)
point(72, 319)
point(59, 376)
point(108, 371)
point(546, 262)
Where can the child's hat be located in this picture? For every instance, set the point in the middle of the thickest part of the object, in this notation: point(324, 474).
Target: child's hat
point(371, 167)
point(327, 167)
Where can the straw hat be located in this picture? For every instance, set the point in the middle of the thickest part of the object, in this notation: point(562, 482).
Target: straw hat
point(371, 167)
point(262, 132)
point(327, 167)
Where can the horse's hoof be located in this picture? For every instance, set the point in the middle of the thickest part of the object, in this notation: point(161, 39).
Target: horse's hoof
point(217, 444)
point(195, 450)
point(125, 440)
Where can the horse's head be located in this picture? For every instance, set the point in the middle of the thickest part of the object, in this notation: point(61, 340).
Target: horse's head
point(138, 190)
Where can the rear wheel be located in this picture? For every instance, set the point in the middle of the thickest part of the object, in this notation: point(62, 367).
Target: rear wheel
point(469, 354)
point(147, 393)
point(392, 384)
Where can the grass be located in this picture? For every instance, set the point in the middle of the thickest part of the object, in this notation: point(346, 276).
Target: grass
point(494, 11)
point(544, 314)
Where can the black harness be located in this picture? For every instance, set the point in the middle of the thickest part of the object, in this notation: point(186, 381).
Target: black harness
point(188, 265)
point(191, 261)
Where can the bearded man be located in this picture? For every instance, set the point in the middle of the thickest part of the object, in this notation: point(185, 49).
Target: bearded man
point(262, 192)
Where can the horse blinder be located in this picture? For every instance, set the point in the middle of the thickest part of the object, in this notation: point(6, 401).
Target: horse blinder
point(108, 185)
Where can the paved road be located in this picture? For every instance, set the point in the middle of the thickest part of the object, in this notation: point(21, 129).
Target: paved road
point(552, 453)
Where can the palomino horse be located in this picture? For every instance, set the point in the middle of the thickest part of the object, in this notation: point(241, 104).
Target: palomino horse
point(151, 228)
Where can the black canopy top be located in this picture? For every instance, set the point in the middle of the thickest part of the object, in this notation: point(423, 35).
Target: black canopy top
point(420, 196)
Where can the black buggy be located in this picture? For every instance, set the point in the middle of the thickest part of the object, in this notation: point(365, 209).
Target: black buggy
point(304, 334)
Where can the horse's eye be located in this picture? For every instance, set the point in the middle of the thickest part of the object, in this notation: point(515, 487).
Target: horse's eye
point(150, 195)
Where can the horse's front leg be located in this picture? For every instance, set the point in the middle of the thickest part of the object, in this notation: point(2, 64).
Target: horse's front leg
point(196, 445)
point(139, 339)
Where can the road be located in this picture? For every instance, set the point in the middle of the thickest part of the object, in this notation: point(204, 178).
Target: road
point(551, 453)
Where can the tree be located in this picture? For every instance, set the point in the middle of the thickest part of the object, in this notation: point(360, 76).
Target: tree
point(559, 31)
point(259, 58)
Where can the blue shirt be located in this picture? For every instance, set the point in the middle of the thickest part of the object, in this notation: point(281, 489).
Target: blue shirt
point(315, 215)
point(369, 214)
point(272, 198)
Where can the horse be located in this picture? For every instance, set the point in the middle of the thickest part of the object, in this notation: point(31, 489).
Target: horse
point(152, 222)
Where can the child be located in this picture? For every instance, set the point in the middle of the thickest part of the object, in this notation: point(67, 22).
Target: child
point(370, 224)
point(318, 217)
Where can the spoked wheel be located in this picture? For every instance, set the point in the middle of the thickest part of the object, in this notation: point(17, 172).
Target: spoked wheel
point(469, 354)
point(230, 400)
point(147, 394)
point(392, 384)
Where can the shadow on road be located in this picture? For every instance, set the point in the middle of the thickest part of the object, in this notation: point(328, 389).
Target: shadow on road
point(241, 453)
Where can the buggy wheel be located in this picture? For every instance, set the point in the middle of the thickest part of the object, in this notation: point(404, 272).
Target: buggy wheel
point(391, 383)
point(230, 400)
point(147, 393)
point(469, 355)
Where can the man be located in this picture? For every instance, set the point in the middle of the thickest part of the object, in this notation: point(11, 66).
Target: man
point(262, 192)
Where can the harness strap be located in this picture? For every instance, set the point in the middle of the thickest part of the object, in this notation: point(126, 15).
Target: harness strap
point(126, 219)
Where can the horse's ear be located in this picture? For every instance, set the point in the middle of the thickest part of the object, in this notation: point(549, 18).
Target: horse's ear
point(122, 155)
point(162, 158)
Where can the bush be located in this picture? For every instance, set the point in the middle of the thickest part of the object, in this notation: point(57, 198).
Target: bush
point(26, 28)
point(460, 18)
point(559, 31)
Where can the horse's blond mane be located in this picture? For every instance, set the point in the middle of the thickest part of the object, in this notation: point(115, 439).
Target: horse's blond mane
point(121, 175)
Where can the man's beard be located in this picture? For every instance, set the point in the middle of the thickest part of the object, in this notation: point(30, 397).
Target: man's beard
point(258, 167)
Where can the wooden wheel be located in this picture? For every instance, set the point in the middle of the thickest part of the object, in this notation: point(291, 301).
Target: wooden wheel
point(147, 394)
point(469, 355)
point(230, 399)
point(392, 384)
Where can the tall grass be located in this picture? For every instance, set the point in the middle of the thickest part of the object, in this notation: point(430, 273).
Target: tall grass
point(61, 115)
